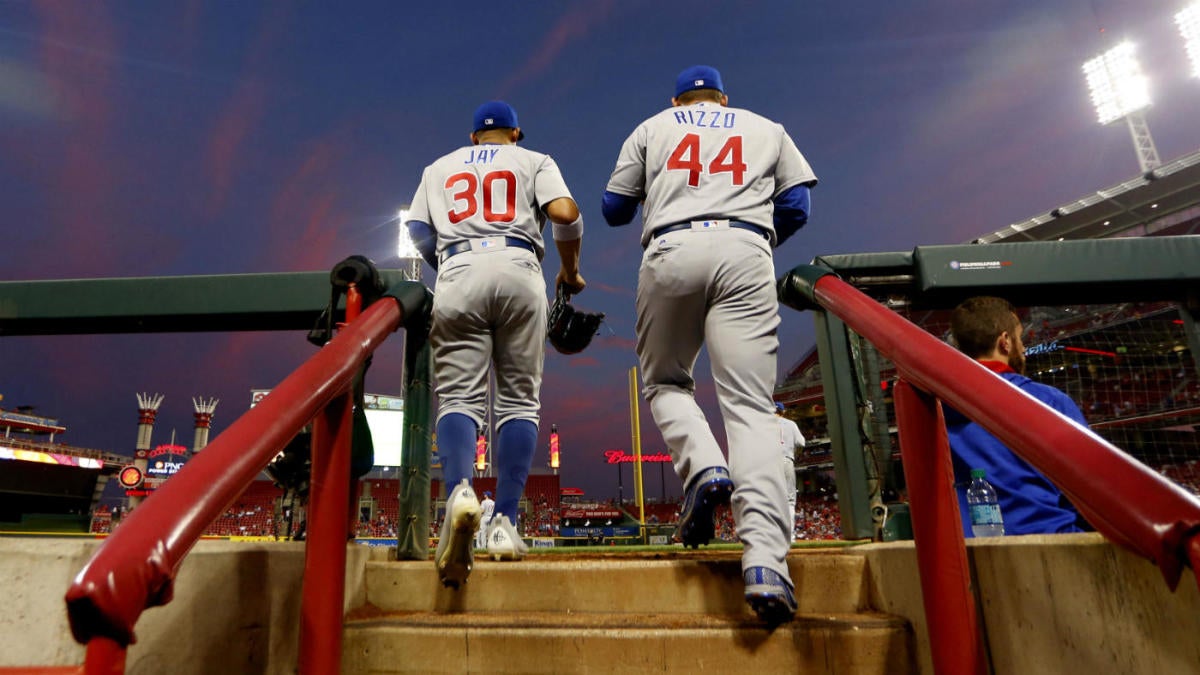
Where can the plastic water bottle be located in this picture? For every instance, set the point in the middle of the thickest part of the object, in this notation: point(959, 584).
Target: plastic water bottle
point(984, 506)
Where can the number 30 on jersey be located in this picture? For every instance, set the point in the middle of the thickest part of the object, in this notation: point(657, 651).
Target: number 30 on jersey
point(686, 157)
point(464, 189)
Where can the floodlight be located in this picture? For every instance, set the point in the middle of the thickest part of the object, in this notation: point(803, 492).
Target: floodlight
point(407, 250)
point(554, 447)
point(481, 462)
point(1117, 84)
point(1189, 26)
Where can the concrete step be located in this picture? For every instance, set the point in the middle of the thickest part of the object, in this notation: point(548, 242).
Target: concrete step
point(594, 642)
point(693, 582)
point(628, 612)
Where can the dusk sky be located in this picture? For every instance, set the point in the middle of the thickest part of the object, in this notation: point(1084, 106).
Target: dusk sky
point(177, 138)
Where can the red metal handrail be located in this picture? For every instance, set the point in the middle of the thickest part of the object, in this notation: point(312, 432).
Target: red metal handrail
point(134, 568)
point(950, 610)
point(1126, 501)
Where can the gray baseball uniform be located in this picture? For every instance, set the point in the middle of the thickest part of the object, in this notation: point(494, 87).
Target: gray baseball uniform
point(707, 161)
point(488, 507)
point(490, 304)
point(718, 169)
point(791, 442)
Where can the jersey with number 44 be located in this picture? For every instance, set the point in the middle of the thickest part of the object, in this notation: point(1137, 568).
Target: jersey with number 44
point(706, 161)
point(486, 191)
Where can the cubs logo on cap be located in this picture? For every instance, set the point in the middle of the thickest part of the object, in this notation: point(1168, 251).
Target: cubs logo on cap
point(496, 115)
point(698, 77)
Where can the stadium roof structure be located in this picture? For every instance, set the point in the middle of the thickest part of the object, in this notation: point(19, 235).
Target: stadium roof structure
point(28, 423)
point(1161, 198)
point(1092, 271)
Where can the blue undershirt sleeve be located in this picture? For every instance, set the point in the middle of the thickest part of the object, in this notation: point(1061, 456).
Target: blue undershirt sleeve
point(424, 237)
point(618, 209)
point(792, 207)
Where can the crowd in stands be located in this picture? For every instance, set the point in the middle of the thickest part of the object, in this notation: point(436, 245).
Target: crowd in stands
point(818, 517)
point(543, 522)
point(258, 512)
point(1186, 474)
point(380, 526)
point(102, 520)
point(1129, 395)
point(659, 512)
point(254, 514)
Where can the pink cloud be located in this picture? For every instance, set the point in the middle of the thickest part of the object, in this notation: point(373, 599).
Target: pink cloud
point(572, 26)
point(81, 84)
point(192, 24)
point(616, 342)
point(611, 256)
point(244, 112)
point(626, 291)
point(305, 221)
point(236, 122)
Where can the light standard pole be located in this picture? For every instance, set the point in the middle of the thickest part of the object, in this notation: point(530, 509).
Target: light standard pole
point(410, 257)
point(554, 448)
point(410, 260)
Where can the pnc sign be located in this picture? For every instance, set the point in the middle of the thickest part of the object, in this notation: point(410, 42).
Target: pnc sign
point(163, 468)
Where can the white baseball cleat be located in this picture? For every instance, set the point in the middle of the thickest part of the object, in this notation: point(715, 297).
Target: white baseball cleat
point(455, 557)
point(503, 540)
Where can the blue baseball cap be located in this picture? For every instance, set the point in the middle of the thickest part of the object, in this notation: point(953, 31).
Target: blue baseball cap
point(778, 406)
point(496, 115)
point(698, 77)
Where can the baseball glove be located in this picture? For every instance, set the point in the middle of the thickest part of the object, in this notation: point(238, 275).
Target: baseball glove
point(569, 330)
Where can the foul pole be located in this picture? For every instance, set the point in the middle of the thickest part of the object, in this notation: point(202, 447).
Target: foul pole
point(636, 426)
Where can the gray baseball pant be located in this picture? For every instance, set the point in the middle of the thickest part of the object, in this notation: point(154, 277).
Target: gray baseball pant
point(490, 308)
point(718, 288)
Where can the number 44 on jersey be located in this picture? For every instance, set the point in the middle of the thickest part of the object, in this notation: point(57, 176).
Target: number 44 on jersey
point(686, 157)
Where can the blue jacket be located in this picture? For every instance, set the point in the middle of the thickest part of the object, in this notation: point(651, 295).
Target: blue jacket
point(1029, 502)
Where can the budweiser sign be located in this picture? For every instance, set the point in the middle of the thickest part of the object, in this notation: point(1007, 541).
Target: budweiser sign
point(621, 457)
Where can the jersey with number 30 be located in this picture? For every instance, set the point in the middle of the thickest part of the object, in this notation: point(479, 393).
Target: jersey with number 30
point(486, 191)
point(706, 161)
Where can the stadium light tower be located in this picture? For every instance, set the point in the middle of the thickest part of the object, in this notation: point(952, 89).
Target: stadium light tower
point(1120, 91)
point(407, 250)
point(481, 448)
point(410, 261)
point(1188, 20)
point(554, 446)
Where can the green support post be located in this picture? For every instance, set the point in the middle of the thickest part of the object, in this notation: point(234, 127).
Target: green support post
point(841, 407)
point(412, 541)
point(875, 430)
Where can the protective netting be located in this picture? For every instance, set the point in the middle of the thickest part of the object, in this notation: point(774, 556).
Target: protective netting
point(1128, 367)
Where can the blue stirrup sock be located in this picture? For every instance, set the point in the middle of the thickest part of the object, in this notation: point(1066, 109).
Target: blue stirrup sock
point(456, 434)
point(515, 444)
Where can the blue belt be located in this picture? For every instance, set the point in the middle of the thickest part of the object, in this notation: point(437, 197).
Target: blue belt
point(749, 227)
point(464, 246)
